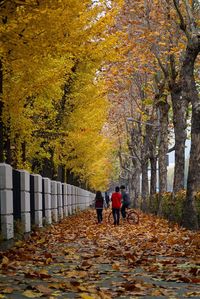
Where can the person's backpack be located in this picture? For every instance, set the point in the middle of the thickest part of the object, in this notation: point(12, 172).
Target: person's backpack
point(126, 198)
point(99, 203)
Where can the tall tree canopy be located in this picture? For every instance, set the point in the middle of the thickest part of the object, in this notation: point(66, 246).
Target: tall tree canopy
point(53, 104)
point(154, 84)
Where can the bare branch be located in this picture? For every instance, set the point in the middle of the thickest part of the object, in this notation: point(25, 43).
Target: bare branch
point(182, 22)
point(191, 20)
point(172, 67)
point(2, 2)
point(171, 149)
point(165, 72)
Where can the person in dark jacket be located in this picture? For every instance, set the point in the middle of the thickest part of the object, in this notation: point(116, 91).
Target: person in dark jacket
point(99, 203)
point(107, 199)
point(125, 201)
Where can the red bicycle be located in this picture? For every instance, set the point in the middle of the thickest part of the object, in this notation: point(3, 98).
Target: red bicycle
point(132, 217)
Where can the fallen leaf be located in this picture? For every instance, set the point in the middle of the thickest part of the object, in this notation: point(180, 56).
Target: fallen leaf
point(44, 274)
point(82, 288)
point(116, 266)
point(5, 261)
point(31, 294)
point(86, 296)
point(7, 290)
point(48, 261)
point(192, 294)
point(43, 289)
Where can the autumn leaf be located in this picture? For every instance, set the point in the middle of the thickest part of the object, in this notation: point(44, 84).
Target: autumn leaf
point(19, 243)
point(32, 294)
point(48, 255)
point(116, 266)
point(31, 274)
point(48, 261)
point(156, 293)
point(7, 290)
point(44, 274)
point(82, 289)
point(86, 296)
point(5, 261)
point(43, 289)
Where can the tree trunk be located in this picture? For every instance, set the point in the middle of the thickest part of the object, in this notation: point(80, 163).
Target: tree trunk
point(135, 186)
point(8, 150)
point(189, 25)
point(179, 120)
point(190, 92)
point(135, 152)
point(190, 219)
point(47, 168)
point(152, 133)
point(163, 146)
point(145, 183)
point(24, 152)
point(144, 165)
point(7, 146)
point(163, 150)
point(153, 181)
point(1, 113)
point(61, 174)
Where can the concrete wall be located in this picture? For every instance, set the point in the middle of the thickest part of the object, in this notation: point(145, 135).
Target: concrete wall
point(35, 200)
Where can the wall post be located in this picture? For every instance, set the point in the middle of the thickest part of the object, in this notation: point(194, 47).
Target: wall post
point(46, 182)
point(60, 200)
point(25, 200)
point(54, 201)
point(65, 199)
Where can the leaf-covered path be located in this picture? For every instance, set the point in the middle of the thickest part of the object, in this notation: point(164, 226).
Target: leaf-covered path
point(79, 258)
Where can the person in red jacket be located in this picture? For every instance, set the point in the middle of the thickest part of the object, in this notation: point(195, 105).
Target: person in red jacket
point(116, 205)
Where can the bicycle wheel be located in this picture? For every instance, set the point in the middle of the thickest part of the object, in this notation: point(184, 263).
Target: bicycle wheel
point(110, 218)
point(133, 217)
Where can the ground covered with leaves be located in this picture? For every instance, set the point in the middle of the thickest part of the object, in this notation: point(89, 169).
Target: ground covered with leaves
point(78, 258)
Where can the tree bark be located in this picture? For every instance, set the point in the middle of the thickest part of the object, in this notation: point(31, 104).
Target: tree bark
point(61, 174)
point(188, 24)
point(153, 181)
point(144, 163)
point(152, 132)
point(8, 154)
point(163, 150)
point(24, 152)
point(135, 185)
point(135, 152)
point(190, 219)
point(190, 92)
point(47, 168)
point(179, 106)
point(1, 114)
point(163, 146)
point(145, 183)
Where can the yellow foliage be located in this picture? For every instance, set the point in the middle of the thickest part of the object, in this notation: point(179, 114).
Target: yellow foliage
point(53, 93)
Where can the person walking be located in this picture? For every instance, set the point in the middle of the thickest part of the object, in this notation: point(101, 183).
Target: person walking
point(125, 201)
point(107, 198)
point(116, 205)
point(99, 203)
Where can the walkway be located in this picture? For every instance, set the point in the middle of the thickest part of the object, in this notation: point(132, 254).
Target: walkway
point(78, 258)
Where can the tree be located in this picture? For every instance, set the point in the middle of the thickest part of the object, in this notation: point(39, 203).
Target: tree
point(188, 16)
point(46, 51)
